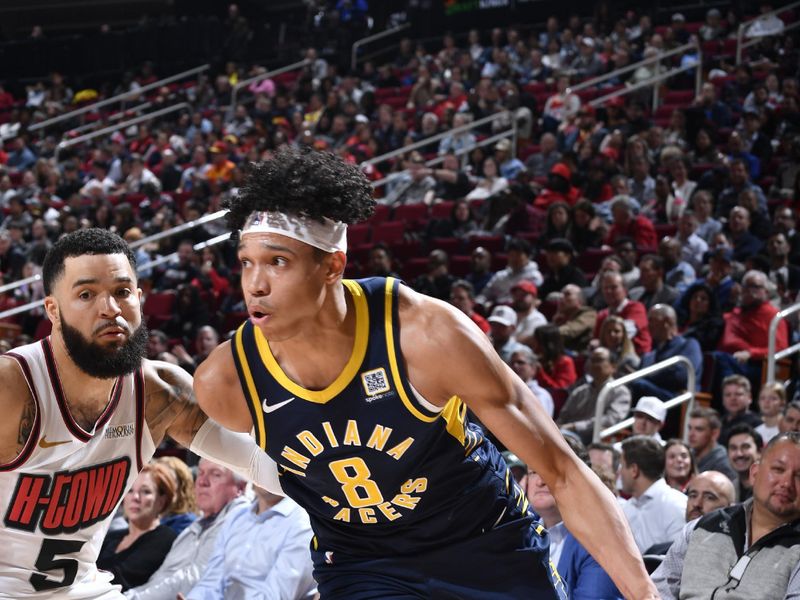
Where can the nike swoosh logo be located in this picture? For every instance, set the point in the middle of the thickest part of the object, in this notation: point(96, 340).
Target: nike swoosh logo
point(268, 408)
point(43, 443)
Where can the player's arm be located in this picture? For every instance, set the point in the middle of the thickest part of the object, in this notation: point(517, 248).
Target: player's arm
point(18, 409)
point(219, 392)
point(466, 365)
point(171, 409)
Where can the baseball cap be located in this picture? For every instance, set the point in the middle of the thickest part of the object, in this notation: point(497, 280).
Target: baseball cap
point(504, 315)
point(652, 407)
point(562, 170)
point(504, 145)
point(219, 148)
point(526, 286)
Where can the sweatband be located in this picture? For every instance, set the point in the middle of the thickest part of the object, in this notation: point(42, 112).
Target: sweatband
point(239, 453)
point(330, 236)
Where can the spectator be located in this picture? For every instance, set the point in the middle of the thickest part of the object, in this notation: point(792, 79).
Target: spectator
point(221, 170)
point(520, 268)
point(219, 493)
point(132, 554)
point(557, 370)
point(693, 247)
point(745, 244)
point(744, 449)
point(540, 163)
point(510, 165)
point(503, 322)
point(604, 458)
point(490, 183)
point(182, 269)
point(699, 316)
point(707, 492)
point(140, 176)
point(524, 300)
point(561, 107)
point(679, 465)
point(480, 273)
point(437, 280)
point(261, 551)
point(713, 27)
point(411, 186)
point(638, 227)
point(719, 277)
point(170, 177)
point(182, 511)
point(670, 382)
point(633, 313)
point(771, 402)
point(588, 229)
point(558, 223)
point(558, 188)
point(790, 421)
point(739, 181)
point(188, 316)
point(458, 142)
point(782, 273)
point(714, 113)
point(586, 64)
point(575, 320)
point(379, 263)
point(704, 429)
point(654, 511)
point(578, 412)
point(583, 576)
point(641, 184)
point(462, 296)
point(12, 257)
point(451, 182)
point(649, 415)
point(651, 289)
point(783, 220)
point(704, 556)
point(678, 273)
point(736, 399)
point(703, 209)
point(614, 337)
point(525, 364)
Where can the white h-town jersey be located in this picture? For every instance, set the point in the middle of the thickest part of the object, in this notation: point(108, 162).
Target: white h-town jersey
point(57, 498)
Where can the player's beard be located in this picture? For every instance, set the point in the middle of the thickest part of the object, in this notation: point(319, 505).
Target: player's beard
point(105, 362)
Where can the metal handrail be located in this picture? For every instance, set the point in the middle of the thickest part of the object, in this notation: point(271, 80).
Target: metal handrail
point(256, 78)
point(687, 396)
point(632, 67)
point(115, 117)
point(372, 38)
point(741, 44)
point(772, 356)
point(118, 97)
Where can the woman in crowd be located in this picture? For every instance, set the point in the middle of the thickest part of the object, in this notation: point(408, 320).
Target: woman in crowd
point(182, 511)
point(556, 370)
point(614, 336)
point(679, 465)
point(771, 401)
point(558, 223)
point(133, 554)
point(461, 224)
point(491, 182)
point(699, 316)
point(588, 230)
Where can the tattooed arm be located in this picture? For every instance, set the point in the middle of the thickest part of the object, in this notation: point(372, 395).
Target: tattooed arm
point(18, 409)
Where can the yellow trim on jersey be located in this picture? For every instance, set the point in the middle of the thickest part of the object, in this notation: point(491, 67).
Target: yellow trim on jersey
point(393, 359)
point(350, 369)
point(251, 388)
point(454, 413)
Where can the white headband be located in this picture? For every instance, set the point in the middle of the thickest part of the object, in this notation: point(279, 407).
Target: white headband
point(330, 236)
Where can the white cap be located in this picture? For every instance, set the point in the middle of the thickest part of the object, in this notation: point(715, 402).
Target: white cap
point(505, 315)
point(652, 407)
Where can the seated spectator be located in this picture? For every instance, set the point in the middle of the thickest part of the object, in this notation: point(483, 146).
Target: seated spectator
point(633, 313)
point(678, 273)
point(713, 28)
point(462, 296)
point(625, 223)
point(558, 188)
point(744, 449)
point(737, 398)
point(379, 262)
point(525, 364)
point(437, 280)
point(655, 511)
point(557, 370)
point(540, 163)
point(693, 247)
point(158, 347)
point(461, 141)
point(452, 182)
point(706, 492)
point(261, 552)
point(182, 269)
point(651, 289)
point(641, 185)
point(649, 415)
point(461, 223)
point(745, 244)
point(412, 185)
point(140, 176)
point(131, 555)
point(739, 181)
point(221, 170)
point(702, 558)
point(558, 223)
point(520, 268)
point(480, 272)
point(182, 511)
point(719, 277)
point(614, 337)
point(771, 402)
point(745, 338)
point(588, 229)
point(490, 183)
point(510, 165)
point(699, 316)
point(790, 420)
point(218, 492)
point(704, 428)
point(578, 412)
point(561, 107)
point(782, 273)
point(524, 300)
point(703, 209)
point(679, 465)
point(575, 320)
point(714, 113)
point(783, 220)
point(670, 382)
point(559, 254)
point(502, 323)
point(583, 576)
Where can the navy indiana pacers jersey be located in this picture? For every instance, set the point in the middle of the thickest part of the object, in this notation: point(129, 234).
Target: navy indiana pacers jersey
point(380, 471)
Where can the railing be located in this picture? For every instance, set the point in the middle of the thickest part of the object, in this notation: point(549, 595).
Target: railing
point(372, 38)
point(122, 125)
point(255, 79)
point(741, 44)
point(115, 117)
point(687, 396)
point(772, 356)
point(119, 97)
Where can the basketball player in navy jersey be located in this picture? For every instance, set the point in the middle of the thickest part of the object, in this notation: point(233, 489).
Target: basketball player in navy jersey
point(81, 413)
point(359, 391)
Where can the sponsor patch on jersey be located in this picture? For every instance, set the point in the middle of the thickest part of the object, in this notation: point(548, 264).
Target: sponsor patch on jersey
point(120, 431)
point(375, 382)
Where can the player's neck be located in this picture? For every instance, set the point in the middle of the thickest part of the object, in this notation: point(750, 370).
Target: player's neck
point(80, 389)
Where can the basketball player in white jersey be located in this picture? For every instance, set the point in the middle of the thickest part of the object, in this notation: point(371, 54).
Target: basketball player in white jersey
point(81, 413)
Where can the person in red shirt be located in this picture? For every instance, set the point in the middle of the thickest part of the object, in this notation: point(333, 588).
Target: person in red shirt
point(462, 296)
point(557, 370)
point(559, 188)
point(637, 227)
point(633, 313)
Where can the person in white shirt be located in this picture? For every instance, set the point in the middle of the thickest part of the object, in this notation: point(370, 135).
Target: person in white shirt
point(649, 415)
point(771, 400)
point(655, 511)
point(525, 364)
point(524, 300)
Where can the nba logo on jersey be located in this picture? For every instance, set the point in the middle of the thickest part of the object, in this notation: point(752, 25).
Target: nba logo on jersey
point(375, 383)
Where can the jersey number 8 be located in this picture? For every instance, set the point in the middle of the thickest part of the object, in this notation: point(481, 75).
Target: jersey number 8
point(357, 487)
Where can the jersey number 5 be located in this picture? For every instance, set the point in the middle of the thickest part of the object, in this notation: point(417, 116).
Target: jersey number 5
point(46, 561)
point(358, 488)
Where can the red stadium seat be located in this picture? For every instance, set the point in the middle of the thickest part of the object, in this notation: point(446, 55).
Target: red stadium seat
point(390, 232)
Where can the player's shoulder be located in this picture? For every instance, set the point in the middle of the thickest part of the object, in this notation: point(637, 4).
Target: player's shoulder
point(415, 309)
point(14, 390)
point(219, 362)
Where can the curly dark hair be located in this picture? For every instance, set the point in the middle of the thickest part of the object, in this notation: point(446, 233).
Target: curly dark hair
point(303, 182)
